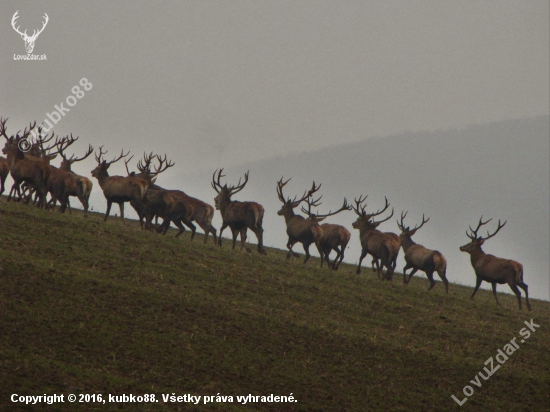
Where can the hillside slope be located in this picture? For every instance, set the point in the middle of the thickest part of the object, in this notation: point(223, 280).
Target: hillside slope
point(97, 308)
point(499, 170)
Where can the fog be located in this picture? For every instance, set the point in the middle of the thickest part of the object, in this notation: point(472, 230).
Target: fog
point(227, 84)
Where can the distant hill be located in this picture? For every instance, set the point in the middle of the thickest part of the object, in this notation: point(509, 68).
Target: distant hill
point(499, 170)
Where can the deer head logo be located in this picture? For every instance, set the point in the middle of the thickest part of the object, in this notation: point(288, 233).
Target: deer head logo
point(29, 40)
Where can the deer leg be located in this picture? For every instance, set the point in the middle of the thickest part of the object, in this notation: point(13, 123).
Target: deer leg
point(516, 292)
point(190, 225)
point(121, 206)
point(441, 274)
point(478, 284)
point(259, 231)
point(243, 239)
point(2, 181)
point(109, 203)
point(525, 288)
point(494, 286)
point(176, 222)
point(405, 273)
point(224, 225)
point(306, 249)
point(363, 254)
point(234, 233)
point(413, 271)
point(432, 281)
point(289, 244)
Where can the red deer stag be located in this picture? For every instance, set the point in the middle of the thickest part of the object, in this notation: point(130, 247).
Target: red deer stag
point(239, 216)
point(417, 257)
point(383, 247)
point(298, 228)
point(333, 237)
point(22, 169)
point(84, 185)
point(493, 269)
point(118, 189)
point(174, 205)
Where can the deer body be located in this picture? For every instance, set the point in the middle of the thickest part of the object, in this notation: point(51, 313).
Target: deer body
point(84, 185)
point(383, 247)
point(418, 257)
point(334, 237)
point(239, 216)
point(300, 229)
point(119, 189)
point(493, 269)
point(22, 168)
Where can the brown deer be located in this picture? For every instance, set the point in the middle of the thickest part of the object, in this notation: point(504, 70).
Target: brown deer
point(118, 189)
point(417, 257)
point(22, 169)
point(333, 237)
point(493, 269)
point(173, 205)
point(4, 172)
point(298, 228)
point(84, 185)
point(239, 216)
point(36, 150)
point(383, 247)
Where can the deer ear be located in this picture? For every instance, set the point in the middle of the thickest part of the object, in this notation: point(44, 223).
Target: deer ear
point(23, 36)
point(482, 241)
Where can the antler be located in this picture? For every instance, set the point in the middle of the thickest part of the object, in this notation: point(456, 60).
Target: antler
point(293, 202)
point(474, 236)
point(239, 187)
point(401, 225)
point(3, 127)
point(345, 206)
point(407, 229)
point(126, 164)
point(380, 211)
point(101, 153)
point(359, 209)
point(119, 157)
point(145, 165)
point(232, 189)
point(163, 164)
point(216, 183)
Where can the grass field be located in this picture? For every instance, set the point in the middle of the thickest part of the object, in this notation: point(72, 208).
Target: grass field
point(89, 307)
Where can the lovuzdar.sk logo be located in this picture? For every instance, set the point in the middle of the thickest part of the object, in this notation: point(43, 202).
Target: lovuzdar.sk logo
point(29, 40)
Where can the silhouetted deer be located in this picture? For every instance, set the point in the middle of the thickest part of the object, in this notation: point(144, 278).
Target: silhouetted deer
point(417, 257)
point(239, 216)
point(493, 269)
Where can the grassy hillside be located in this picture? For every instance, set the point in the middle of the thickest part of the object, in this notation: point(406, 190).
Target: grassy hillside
point(98, 308)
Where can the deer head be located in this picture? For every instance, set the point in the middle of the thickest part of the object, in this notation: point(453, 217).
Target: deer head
point(406, 231)
point(103, 165)
point(29, 40)
point(365, 220)
point(477, 241)
point(290, 204)
point(225, 192)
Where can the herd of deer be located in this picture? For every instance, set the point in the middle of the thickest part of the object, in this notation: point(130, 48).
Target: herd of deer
point(31, 171)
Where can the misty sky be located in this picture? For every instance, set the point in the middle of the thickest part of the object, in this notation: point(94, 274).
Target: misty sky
point(218, 83)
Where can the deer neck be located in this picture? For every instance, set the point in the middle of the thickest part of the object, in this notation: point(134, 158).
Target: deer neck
point(103, 177)
point(406, 243)
point(476, 255)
